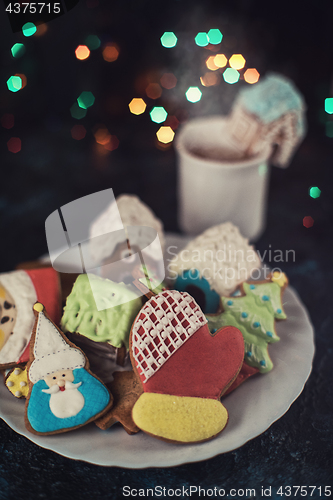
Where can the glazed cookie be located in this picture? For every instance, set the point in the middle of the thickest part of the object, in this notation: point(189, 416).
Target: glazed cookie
point(183, 369)
point(19, 290)
point(17, 382)
point(214, 264)
point(63, 393)
point(254, 313)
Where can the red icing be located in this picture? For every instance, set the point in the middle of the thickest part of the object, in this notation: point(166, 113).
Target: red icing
point(62, 388)
point(202, 366)
point(47, 285)
point(246, 372)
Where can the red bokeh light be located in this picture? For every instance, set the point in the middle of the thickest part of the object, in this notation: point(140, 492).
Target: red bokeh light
point(308, 221)
point(14, 145)
point(7, 120)
point(78, 132)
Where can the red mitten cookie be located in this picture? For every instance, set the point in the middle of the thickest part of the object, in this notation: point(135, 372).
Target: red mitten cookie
point(183, 368)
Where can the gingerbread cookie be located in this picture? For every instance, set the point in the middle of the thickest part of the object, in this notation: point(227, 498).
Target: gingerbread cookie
point(17, 381)
point(183, 369)
point(63, 393)
point(126, 390)
point(19, 290)
point(254, 313)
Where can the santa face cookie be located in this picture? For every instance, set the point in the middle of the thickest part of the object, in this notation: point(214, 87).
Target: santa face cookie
point(19, 290)
point(63, 393)
point(183, 369)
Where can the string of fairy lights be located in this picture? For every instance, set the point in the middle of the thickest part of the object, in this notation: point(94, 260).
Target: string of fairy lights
point(219, 69)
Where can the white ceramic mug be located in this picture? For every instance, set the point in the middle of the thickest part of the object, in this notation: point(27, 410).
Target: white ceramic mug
point(212, 191)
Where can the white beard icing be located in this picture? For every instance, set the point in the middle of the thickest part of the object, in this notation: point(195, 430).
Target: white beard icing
point(67, 403)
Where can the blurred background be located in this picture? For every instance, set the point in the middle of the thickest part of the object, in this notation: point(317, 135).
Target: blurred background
point(73, 128)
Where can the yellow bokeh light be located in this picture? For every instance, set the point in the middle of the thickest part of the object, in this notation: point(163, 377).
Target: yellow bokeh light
point(251, 75)
point(211, 64)
point(110, 52)
point(165, 134)
point(220, 60)
point(137, 106)
point(210, 79)
point(82, 52)
point(237, 61)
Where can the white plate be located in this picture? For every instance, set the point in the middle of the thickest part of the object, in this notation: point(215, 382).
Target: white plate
point(252, 408)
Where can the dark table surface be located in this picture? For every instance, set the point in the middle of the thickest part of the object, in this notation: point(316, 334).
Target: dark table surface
point(52, 169)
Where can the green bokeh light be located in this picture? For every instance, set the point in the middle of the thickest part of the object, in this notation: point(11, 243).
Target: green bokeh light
point(329, 105)
point(14, 83)
point(202, 39)
point(329, 129)
point(158, 114)
point(29, 29)
point(77, 112)
point(168, 39)
point(231, 75)
point(92, 42)
point(193, 94)
point(85, 100)
point(215, 36)
point(18, 49)
point(314, 192)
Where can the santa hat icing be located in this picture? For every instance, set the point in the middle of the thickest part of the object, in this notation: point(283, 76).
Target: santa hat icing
point(51, 352)
point(26, 287)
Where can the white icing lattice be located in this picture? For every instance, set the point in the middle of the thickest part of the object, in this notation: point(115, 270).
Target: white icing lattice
point(166, 321)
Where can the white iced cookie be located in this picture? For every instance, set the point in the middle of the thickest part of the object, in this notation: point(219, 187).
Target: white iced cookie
point(221, 255)
point(133, 212)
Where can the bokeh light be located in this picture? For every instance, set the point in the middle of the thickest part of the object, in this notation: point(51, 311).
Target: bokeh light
point(308, 221)
point(220, 60)
point(7, 120)
point(251, 75)
point(202, 39)
point(86, 99)
point(237, 61)
point(18, 50)
point(193, 94)
point(14, 83)
point(231, 75)
point(168, 40)
point(23, 78)
point(14, 145)
point(168, 81)
point(172, 122)
point(82, 52)
point(314, 192)
point(329, 129)
point(102, 136)
point(29, 29)
point(329, 105)
point(211, 64)
point(92, 42)
point(153, 91)
point(110, 52)
point(41, 29)
point(78, 132)
point(137, 106)
point(112, 143)
point(158, 114)
point(77, 112)
point(209, 79)
point(165, 134)
point(215, 36)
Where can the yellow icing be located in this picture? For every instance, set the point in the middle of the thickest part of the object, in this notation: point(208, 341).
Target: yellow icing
point(182, 419)
point(19, 379)
point(38, 307)
point(2, 338)
point(279, 278)
point(2, 292)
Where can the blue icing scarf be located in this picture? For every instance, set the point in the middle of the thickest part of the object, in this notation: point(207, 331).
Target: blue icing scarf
point(96, 397)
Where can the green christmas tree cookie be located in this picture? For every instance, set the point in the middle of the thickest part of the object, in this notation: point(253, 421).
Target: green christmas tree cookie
point(112, 324)
point(254, 314)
